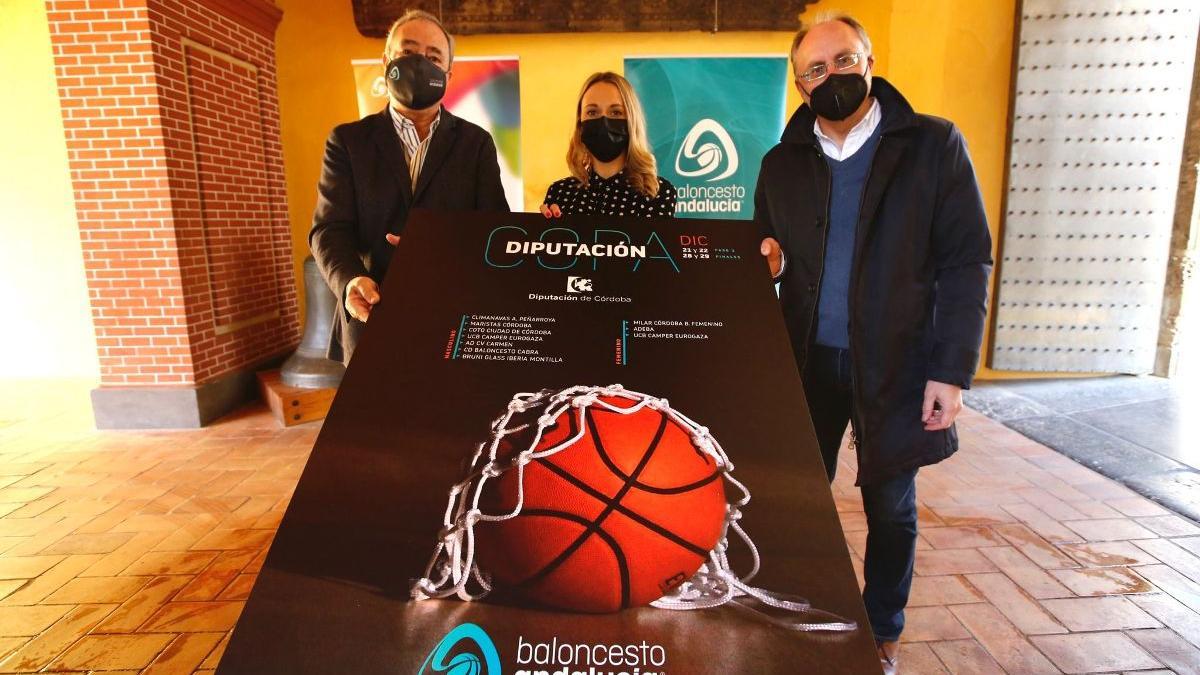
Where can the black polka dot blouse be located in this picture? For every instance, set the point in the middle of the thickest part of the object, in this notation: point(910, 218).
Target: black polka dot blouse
point(611, 197)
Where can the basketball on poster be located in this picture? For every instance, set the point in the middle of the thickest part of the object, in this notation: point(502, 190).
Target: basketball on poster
point(591, 497)
point(598, 499)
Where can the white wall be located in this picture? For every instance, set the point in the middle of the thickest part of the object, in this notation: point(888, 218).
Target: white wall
point(45, 321)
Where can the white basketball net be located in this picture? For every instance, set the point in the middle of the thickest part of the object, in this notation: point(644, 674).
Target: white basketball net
point(452, 570)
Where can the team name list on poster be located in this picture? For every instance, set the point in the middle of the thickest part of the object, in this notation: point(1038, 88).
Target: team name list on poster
point(491, 337)
point(534, 339)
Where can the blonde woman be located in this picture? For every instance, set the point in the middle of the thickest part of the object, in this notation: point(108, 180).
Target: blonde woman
point(612, 170)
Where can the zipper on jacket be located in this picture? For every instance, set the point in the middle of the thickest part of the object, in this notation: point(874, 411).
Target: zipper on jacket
point(812, 315)
point(857, 437)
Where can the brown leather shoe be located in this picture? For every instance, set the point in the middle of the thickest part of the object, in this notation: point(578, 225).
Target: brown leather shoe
point(889, 656)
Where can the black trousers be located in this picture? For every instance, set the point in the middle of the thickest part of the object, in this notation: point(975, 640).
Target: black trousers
point(890, 505)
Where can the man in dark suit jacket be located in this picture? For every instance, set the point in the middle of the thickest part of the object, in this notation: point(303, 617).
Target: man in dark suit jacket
point(875, 228)
point(367, 182)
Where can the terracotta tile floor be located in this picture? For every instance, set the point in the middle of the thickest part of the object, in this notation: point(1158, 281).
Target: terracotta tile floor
point(131, 552)
point(128, 552)
point(1028, 562)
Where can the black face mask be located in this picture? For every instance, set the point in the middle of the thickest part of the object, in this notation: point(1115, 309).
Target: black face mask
point(839, 96)
point(415, 82)
point(605, 137)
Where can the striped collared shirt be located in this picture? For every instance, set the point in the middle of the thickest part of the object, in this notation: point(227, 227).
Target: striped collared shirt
point(415, 149)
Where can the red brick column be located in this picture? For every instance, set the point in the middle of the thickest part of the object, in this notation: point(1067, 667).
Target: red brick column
point(172, 121)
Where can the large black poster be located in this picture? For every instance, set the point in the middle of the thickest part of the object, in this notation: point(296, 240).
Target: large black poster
point(621, 491)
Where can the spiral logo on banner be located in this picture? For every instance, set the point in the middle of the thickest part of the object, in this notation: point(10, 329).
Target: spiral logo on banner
point(476, 654)
point(379, 87)
point(739, 104)
point(707, 156)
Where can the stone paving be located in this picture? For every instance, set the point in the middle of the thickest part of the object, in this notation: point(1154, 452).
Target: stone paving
point(134, 551)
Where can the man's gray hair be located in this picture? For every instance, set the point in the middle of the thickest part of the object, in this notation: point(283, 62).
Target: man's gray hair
point(826, 17)
point(413, 15)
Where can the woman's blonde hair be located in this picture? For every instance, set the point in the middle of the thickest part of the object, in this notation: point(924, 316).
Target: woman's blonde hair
point(640, 168)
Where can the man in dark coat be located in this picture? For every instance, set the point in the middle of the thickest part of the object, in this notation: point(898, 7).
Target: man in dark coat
point(874, 226)
point(413, 154)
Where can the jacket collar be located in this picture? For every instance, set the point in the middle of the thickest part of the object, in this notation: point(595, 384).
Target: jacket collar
point(383, 119)
point(384, 131)
point(897, 114)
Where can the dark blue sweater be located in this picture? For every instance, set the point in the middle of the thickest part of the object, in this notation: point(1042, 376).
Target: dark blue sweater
point(848, 177)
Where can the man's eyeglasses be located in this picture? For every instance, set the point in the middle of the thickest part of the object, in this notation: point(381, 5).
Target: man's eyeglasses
point(843, 62)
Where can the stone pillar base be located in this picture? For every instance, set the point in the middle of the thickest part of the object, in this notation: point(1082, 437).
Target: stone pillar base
point(178, 407)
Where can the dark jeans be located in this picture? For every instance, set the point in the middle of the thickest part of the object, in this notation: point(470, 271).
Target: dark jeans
point(890, 505)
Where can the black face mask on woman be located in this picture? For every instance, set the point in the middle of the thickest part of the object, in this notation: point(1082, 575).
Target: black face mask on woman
point(415, 82)
point(839, 95)
point(605, 137)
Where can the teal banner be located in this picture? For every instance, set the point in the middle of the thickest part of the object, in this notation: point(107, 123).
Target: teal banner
point(710, 121)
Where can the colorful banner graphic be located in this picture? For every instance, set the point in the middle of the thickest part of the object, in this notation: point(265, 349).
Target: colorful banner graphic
point(483, 90)
point(711, 120)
